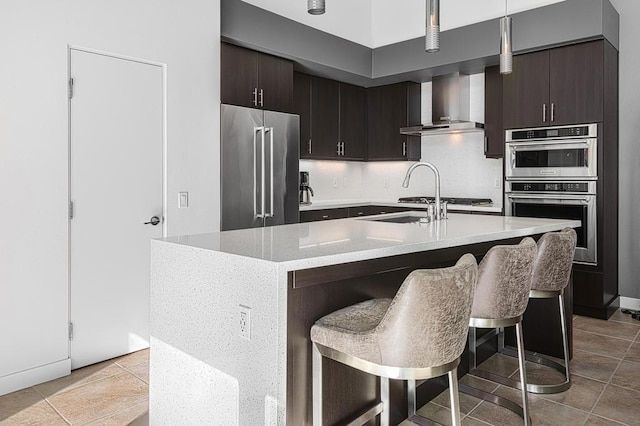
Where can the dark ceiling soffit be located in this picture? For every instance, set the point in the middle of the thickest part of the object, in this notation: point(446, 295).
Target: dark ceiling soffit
point(466, 49)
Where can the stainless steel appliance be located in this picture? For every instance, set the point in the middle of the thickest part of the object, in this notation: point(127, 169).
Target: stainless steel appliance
point(555, 152)
point(259, 167)
point(306, 192)
point(552, 173)
point(558, 200)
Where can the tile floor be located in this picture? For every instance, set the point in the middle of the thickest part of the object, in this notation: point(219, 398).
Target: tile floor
point(605, 391)
point(114, 392)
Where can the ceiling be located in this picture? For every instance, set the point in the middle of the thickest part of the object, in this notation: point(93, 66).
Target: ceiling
point(375, 23)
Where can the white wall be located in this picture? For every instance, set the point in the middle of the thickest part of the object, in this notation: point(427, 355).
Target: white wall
point(629, 153)
point(34, 144)
point(464, 170)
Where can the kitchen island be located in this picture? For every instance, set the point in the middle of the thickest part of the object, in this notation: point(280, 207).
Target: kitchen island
point(231, 311)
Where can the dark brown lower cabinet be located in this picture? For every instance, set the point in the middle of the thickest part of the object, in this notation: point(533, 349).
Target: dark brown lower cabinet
point(325, 214)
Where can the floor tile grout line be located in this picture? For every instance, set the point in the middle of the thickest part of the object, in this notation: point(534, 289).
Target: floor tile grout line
point(112, 414)
point(57, 411)
point(133, 374)
point(609, 382)
point(606, 335)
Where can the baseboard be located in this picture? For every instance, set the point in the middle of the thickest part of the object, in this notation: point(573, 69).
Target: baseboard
point(629, 303)
point(33, 376)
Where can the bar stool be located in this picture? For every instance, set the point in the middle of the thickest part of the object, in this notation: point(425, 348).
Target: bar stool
point(551, 272)
point(501, 297)
point(419, 334)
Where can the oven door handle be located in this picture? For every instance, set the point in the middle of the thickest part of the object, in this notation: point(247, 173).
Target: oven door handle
point(538, 198)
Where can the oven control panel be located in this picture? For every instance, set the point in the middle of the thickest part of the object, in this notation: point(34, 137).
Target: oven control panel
point(550, 186)
point(558, 132)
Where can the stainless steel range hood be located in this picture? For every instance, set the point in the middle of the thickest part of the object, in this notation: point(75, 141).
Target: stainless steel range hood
point(450, 102)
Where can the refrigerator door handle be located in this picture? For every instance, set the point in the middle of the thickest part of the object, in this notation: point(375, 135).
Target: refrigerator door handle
point(257, 130)
point(270, 131)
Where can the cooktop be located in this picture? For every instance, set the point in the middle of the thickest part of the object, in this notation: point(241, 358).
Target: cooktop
point(450, 200)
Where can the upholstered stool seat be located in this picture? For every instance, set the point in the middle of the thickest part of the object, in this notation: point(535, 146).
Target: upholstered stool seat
point(419, 334)
point(551, 273)
point(501, 297)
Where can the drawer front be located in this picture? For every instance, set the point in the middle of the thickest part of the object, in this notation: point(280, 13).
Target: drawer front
point(326, 214)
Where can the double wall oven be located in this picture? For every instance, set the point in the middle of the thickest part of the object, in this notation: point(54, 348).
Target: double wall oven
point(552, 173)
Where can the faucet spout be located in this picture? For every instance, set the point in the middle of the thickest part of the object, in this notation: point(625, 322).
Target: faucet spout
point(433, 168)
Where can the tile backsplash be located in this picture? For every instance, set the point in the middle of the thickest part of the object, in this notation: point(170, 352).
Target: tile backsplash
point(464, 170)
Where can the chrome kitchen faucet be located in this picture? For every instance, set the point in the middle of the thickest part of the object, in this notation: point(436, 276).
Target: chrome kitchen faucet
point(405, 184)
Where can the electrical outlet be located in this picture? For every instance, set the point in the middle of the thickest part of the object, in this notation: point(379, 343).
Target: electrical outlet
point(385, 182)
point(497, 183)
point(335, 182)
point(244, 322)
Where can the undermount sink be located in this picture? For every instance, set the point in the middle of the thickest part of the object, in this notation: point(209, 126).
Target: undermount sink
point(400, 219)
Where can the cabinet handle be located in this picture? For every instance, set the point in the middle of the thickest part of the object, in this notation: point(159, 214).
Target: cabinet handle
point(338, 149)
point(553, 112)
point(404, 149)
point(343, 149)
point(486, 144)
point(255, 97)
point(261, 97)
point(544, 113)
point(309, 146)
point(325, 216)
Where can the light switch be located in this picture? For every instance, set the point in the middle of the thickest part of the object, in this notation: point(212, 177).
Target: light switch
point(183, 200)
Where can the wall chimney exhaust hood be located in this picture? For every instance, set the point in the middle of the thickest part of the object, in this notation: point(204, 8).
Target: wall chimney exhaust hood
point(450, 102)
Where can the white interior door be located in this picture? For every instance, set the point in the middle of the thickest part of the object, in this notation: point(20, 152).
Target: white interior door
point(116, 185)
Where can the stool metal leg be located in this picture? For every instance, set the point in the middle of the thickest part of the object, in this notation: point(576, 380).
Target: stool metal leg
point(453, 395)
point(473, 360)
point(411, 398)
point(565, 339)
point(317, 385)
point(523, 374)
point(384, 394)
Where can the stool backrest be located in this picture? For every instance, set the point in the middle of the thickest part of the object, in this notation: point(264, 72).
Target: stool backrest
point(504, 281)
point(552, 267)
point(427, 322)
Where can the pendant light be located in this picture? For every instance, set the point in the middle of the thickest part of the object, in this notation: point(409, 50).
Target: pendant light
point(432, 36)
point(315, 7)
point(506, 54)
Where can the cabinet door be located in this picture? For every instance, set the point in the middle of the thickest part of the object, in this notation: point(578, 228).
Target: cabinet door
point(238, 76)
point(576, 86)
point(352, 121)
point(493, 129)
point(324, 118)
point(302, 107)
point(387, 113)
point(275, 83)
point(526, 92)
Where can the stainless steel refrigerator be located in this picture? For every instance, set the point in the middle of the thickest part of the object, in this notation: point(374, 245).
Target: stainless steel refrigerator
point(259, 156)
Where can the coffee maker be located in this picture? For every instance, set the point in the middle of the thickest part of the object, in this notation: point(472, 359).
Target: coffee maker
point(305, 190)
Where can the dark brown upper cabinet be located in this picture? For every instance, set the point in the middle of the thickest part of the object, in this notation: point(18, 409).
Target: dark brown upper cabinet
point(332, 118)
point(555, 87)
point(255, 80)
point(493, 128)
point(389, 108)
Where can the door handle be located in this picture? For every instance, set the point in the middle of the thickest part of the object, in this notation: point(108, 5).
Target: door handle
point(153, 221)
point(270, 212)
point(257, 130)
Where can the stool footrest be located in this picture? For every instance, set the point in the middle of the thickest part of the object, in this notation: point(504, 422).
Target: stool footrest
point(494, 399)
point(540, 359)
point(367, 415)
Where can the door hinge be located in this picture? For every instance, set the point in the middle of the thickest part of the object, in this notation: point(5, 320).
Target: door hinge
point(70, 88)
point(70, 331)
point(70, 209)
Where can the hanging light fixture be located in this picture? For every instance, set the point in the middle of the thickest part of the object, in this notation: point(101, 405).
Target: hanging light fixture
point(315, 7)
point(506, 54)
point(432, 31)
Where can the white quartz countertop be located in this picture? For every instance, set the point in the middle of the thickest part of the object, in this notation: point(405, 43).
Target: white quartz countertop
point(336, 204)
point(315, 244)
